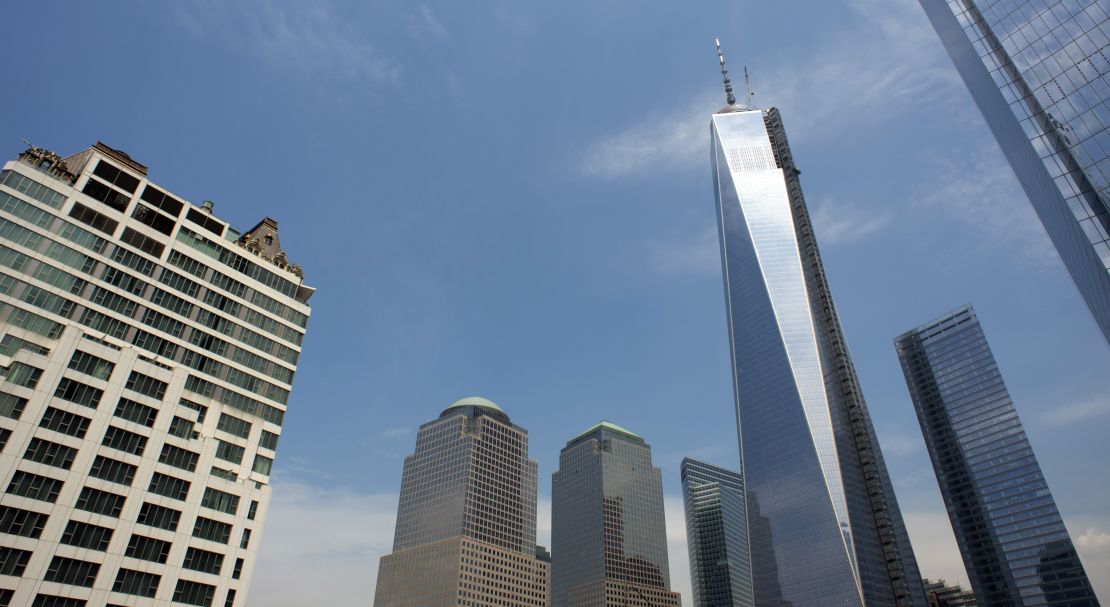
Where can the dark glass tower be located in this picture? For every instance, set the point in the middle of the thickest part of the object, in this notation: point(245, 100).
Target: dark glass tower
point(824, 523)
point(1011, 537)
point(1039, 70)
point(608, 532)
point(717, 535)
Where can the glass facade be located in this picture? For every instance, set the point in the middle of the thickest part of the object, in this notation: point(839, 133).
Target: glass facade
point(824, 524)
point(466, 521)
point(608, 532)
point(1013, 542)
point(717, 535)
point(1039, 71)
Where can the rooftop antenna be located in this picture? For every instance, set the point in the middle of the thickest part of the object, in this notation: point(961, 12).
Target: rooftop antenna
point(748, 86)
point(724, 72)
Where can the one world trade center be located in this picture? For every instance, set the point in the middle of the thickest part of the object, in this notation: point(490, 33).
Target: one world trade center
point(824, 526)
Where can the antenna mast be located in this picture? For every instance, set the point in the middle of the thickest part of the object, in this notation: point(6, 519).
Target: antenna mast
point(724, 72)
point(748, 86)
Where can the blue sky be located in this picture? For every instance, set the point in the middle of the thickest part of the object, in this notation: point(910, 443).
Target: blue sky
point(513, 200)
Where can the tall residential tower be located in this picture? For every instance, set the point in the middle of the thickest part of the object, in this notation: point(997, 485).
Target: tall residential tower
point(1013, 542)
point(825, 527)
point(608, 532)
point(716, 535)
point(1039, 70)
point(148, 350)
point(466, 522)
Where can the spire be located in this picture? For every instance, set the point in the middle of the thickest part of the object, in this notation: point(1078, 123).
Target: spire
point(724, 72)
point(748, 87)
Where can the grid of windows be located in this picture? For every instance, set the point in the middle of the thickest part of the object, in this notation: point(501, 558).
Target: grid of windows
point(106, 282)
point(467, 512)
point(1041, 71)
point(1011, 536)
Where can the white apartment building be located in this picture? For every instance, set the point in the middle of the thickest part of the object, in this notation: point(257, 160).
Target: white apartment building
point(147, 351)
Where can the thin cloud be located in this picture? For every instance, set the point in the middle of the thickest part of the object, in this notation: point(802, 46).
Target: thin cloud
point(1081, 411)
point(697, 254)
point(836, 223)
point(891, 61)
point(677, 552)
point(1093, 546)
point(665, 143)
point(292, 35)
point(321, 546)
point(432, 24)
point(981, 192)
point(896, 443)
point(390, 433)
point(934, 546)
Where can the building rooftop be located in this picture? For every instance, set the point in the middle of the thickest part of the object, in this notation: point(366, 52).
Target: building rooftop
point(475, 401)
point(606, 426)
point(261, 241)
point(490, 407)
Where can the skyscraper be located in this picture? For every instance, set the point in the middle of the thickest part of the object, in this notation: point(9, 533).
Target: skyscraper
point(1013, 542)
point(608, 532)
point(825, 526)
point(716, 535)
point(148, 350)
point(1040, 74)
point(466, 521)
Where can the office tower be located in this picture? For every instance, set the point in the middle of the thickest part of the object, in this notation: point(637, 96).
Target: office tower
point(608, 533)
point(147, 350)
point(1038, 70)
point(825, 526)
point(716, 535)
point(1011, 537)
point(940, 594)
point(466, 521)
